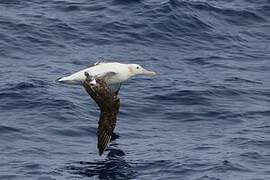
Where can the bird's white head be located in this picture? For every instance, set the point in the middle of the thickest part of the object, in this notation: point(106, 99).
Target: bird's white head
point(136, 69)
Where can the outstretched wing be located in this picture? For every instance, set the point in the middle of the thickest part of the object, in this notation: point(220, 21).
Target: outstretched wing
point(109, 104)
point(96, 63)
point(106, 126)
point(113, 87)
point(107, 120)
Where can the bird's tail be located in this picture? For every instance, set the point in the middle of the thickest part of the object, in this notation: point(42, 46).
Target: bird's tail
point(69, 80)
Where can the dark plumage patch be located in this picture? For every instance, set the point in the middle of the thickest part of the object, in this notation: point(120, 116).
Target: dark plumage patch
point(109, 104)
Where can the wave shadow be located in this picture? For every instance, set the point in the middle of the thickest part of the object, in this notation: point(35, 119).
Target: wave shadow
point(114, 166)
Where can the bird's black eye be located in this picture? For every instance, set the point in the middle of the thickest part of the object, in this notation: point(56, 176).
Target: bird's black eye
point(138, 67)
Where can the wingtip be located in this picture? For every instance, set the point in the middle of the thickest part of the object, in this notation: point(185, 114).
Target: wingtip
point(100, 152)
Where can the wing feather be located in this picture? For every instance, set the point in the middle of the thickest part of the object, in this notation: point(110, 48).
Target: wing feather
point(96, 63)
point(109, 104)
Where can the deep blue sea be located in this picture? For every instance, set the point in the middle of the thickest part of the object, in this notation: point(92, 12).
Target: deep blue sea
point(206, 115)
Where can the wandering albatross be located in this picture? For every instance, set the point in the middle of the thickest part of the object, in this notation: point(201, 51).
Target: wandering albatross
point(102, 82)
point(119, 73)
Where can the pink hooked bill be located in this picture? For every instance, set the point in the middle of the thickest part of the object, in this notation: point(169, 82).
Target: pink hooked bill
point(148, 73)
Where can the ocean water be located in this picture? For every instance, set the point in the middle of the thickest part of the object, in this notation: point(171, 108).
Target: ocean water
point(206, 116)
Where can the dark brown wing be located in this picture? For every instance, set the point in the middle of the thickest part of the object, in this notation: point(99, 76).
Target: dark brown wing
point(109, 104)
point(106, 126)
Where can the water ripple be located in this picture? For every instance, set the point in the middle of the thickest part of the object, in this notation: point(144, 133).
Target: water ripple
point(205, 115)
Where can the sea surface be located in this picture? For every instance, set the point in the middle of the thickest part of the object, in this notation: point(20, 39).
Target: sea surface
point(206, 115)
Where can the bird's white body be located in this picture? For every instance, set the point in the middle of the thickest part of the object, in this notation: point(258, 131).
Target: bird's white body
point(122, 72)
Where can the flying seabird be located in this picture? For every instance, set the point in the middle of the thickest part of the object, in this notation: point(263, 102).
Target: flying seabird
point(102, 82)
point(121, 73)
